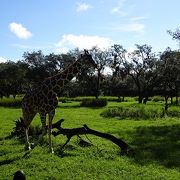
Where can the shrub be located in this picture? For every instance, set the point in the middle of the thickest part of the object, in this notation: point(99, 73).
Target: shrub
point(157, 98)
point(10, 102)
point(64, 100)
point(108, 98)
point(174, 112)
point(133, 112)
point(18, 130)
point(93, 102)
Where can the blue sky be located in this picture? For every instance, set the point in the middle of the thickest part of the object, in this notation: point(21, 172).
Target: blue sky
point(58, 25)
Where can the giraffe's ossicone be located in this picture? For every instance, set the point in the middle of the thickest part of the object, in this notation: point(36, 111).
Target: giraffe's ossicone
point(43, 98)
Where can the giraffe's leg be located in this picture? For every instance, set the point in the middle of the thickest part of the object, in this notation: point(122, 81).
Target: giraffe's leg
point(27, 118)
point(27, 145)
point(51, 116)
point(44, 129)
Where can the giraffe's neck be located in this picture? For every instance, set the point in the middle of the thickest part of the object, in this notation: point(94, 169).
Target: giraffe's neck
point(57, 82)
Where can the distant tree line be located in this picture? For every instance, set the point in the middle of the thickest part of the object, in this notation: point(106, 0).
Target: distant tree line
point(141, 73)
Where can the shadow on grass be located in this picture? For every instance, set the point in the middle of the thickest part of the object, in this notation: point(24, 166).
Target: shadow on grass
point(10, 136)
point(160, 144)
point(63, 152)
point(8, 161)
point(76, 106)
point(68, 107)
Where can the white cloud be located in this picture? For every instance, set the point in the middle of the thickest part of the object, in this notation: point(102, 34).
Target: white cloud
point(20, 31)
point(137, 18)
point(119, 11)
point(132, 27)
point(135, 27)
point(119, 8)
point(71, 41)
point(83, 7)
point(2, 60)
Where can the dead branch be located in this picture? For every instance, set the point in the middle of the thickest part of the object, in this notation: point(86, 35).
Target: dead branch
point(69, 133)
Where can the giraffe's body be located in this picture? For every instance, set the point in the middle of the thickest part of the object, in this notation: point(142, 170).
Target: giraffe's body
point(43, 100)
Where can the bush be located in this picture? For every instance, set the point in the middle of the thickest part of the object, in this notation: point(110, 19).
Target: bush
point(64, 100)
point(108, 98)
point(134, 112)
point(18, 130)
point(93, 103)
point(10, 102)
point(174, 111)
point(158, 98)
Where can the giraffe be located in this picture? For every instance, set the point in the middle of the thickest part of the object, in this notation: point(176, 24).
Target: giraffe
point(43, 98)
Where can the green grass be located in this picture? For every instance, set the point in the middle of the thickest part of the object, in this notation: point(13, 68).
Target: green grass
point(156, 144)
point(152, 111)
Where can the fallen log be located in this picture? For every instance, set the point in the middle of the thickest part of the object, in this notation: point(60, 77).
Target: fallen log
point(69, 133)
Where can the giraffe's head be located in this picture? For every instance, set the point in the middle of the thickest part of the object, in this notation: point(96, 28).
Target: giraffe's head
point(86, 60)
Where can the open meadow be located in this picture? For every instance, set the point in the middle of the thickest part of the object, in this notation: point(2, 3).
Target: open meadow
point(156, 143)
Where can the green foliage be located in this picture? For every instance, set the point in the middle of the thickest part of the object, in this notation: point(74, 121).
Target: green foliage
point(10, 102)
point(143, 73)
point(108, 98)
point(93, 103)
point(18, 129)
point(140, 111)
point(131, 112)
point(64, 100)
point(174, 111)
point(158, 98)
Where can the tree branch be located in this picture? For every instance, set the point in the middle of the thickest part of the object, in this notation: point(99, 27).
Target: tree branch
point(69, 133)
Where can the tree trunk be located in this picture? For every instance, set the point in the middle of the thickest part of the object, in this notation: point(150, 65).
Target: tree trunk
point(177, 101)
point(166, 103)
point(123, 99)
point(145, 100)
point(140, 99)
point(98, 84)
point(171, 99)
point(177, 95)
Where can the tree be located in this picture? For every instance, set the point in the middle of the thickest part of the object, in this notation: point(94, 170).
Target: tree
point(175, 35)
point(119, 80)
point(169, 73)
point(118, 57)
point(55, 63)
point(36, 67)
point(12, 78)
point(141, 66)
point(101, 59)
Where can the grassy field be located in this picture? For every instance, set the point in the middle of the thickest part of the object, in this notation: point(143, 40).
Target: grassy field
point(156, 144)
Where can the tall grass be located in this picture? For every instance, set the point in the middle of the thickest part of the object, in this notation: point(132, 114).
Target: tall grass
point(140, 111)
